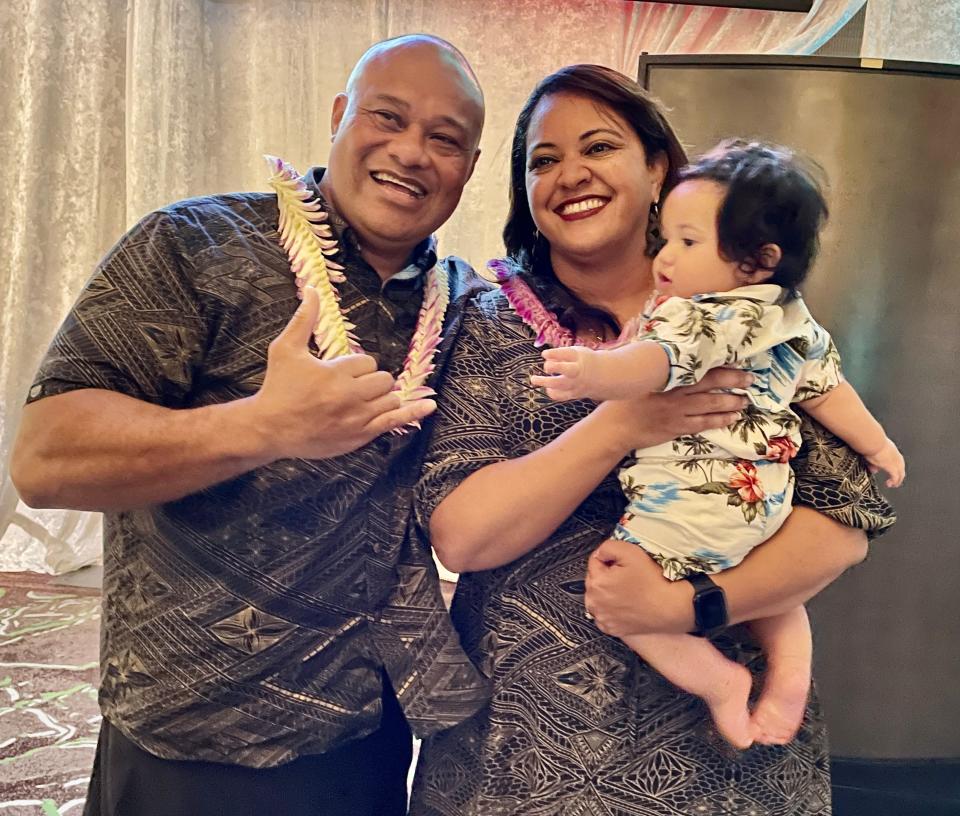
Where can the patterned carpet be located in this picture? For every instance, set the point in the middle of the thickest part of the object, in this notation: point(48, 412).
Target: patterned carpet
point(48, 703)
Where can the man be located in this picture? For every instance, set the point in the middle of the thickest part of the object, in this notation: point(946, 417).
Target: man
point(261, 602)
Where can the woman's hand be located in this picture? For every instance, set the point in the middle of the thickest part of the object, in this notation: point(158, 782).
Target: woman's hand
point(655, 418)
point(628, 595)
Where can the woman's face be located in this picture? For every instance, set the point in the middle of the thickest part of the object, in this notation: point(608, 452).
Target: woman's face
point(589, 186)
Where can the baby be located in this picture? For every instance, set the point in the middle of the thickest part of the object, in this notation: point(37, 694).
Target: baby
point(741, 232)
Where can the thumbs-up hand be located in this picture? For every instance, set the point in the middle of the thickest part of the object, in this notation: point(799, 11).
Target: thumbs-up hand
point(316, 409)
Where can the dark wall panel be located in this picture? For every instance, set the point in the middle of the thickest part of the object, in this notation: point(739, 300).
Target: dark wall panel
point(887, 286)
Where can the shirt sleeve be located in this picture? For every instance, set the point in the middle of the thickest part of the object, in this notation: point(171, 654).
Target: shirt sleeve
point(136, 328)
point(834, 480)
point(467, 431)
point(820, 373)
point(700, 335)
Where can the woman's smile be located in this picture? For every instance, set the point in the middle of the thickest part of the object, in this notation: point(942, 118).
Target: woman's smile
point(576, 209)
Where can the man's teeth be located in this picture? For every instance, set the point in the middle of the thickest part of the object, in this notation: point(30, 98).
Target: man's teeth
point(418, 191)
point(582, 206)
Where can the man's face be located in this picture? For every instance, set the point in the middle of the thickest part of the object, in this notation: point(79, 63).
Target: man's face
point(405, 144)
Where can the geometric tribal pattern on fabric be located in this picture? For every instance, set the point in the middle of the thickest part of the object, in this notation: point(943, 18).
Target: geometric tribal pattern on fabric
point(578, 724)
point(246, 623)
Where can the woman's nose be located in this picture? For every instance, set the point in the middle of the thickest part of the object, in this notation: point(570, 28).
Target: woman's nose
point(574, 172)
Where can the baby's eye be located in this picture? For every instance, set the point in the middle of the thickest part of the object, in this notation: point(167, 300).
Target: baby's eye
point(688, 242)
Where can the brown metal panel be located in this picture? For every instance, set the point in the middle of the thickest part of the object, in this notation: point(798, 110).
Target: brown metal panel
point(887, 285)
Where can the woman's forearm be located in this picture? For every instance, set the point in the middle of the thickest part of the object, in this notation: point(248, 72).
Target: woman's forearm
point(504, 510)
point(628, 595)
point(809, 552)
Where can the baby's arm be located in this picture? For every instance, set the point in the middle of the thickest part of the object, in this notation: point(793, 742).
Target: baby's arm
point(842, 411)
point(621, 373)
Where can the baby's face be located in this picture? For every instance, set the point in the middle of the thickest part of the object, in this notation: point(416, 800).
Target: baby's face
point(690, 262)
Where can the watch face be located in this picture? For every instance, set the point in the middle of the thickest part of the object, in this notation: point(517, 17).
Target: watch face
point(711, 608)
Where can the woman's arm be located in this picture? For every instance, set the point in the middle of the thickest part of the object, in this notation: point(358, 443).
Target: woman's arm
point(503, 510)
point(836, 502)
point(627, 593)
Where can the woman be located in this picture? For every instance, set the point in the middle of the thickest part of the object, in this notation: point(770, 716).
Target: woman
point(517, 493)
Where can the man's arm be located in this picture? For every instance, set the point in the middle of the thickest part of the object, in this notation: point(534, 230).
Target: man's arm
point(92, 449)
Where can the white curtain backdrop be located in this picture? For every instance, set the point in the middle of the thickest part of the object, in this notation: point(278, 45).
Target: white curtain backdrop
point(109, 109)
point(912, 31)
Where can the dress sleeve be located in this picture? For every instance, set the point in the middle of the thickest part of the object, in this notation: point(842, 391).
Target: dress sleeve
point(700, 335)
point(467, 431)
point(136, 328)
point(833, 479)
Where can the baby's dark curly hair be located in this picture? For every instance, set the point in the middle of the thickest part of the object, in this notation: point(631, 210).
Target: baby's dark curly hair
point(772, 197)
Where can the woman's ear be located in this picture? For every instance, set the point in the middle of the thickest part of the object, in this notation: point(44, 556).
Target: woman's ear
point(658, 174)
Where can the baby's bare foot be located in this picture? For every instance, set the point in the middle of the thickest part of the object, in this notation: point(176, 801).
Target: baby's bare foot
point(728, 707)
point(779, 711)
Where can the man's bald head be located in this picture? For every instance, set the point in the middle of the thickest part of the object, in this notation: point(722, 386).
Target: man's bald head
point(445, 51)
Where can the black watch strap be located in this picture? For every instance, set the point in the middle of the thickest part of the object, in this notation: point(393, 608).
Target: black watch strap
point(709, 605)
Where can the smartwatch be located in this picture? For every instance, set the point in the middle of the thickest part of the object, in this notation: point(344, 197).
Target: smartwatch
point(709, 605)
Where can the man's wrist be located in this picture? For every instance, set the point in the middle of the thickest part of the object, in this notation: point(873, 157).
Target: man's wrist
point(246, 437)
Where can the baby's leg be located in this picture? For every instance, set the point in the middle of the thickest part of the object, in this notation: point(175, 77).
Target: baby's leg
point(696, 665)
point(788, 648)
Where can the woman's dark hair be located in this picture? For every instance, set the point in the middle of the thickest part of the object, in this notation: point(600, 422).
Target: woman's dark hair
point(772, 197)
point(525, 246)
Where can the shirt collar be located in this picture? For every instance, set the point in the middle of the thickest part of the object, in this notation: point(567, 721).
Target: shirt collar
point(768, 293)
point(422, 258)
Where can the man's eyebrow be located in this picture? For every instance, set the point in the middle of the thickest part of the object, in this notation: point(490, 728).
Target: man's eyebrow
point(454, 123)
point(405, 106)
point(393, 100)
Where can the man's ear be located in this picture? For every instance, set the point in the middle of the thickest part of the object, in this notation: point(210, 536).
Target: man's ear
point(340, 102)
point(473, 165)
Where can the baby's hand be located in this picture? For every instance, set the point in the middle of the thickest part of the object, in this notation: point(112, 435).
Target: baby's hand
point(570, 368)
point(890, 461)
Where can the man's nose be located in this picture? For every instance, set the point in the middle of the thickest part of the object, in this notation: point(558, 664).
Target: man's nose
point(409, 147)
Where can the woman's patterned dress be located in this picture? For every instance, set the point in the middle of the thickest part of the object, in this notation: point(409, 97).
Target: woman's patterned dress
point(578, 724)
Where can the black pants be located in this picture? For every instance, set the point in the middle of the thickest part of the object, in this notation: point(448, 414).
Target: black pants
point(367, 777)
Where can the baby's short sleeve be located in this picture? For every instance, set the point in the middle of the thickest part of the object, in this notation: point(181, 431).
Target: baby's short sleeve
point(698, 335)
point(821, 371)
